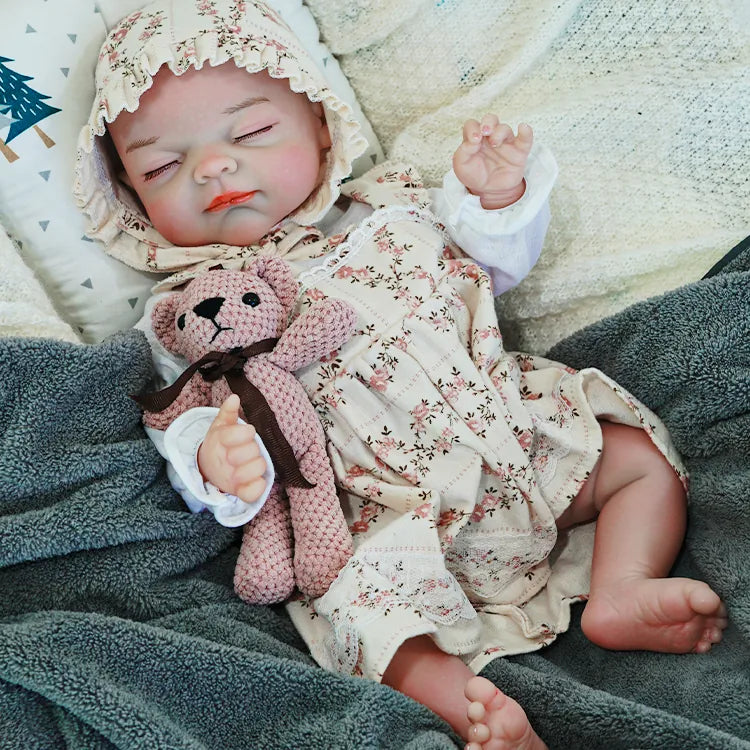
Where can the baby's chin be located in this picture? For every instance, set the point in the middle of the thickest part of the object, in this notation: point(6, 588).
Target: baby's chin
point(236, 236)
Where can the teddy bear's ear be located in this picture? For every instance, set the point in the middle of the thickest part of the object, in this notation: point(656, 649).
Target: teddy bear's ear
point(162, 320)
point(277, 273)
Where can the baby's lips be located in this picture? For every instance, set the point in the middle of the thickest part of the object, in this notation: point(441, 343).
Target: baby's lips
point(227, 200)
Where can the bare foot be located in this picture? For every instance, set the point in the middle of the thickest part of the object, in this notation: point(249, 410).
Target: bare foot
point(673, 615)
point(497, 721)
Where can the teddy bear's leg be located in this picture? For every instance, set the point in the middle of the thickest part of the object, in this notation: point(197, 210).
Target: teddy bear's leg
point(264, 572)
point(322, 541)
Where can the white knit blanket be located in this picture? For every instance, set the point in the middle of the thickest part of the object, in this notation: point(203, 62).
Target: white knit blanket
point(646, 106)
point(25, 309)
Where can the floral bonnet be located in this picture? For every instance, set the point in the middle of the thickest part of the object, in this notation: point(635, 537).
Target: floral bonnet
point(180, 35)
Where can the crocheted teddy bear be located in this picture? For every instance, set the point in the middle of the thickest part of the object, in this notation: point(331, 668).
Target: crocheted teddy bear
point(232, 327)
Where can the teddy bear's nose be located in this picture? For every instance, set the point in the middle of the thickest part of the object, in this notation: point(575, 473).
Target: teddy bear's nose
point(209, 307)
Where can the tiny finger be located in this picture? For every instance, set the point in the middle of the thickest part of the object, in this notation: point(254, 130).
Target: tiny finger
point(472, 132)
point(251, 491)
point(238, 434)
point(500, 134)
point(242, 453)
point(525, 136)
point(250, 471)
point(489, 123)
point(229, 411)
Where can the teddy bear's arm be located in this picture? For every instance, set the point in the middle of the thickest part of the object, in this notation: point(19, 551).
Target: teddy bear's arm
point(322, 329)
point(197, 392)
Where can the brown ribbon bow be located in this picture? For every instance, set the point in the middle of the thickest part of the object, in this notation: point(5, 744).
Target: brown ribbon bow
point(230, 366)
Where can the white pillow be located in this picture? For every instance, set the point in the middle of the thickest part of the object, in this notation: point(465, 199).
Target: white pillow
point(52, 49)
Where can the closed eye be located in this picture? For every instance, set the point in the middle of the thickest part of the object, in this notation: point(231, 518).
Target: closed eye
point(252, 134)
point(159, 170)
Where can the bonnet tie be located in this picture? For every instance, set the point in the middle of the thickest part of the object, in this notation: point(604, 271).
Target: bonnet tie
point(230, 366)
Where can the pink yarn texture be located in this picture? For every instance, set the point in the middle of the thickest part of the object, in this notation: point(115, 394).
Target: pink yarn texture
point(300, 537)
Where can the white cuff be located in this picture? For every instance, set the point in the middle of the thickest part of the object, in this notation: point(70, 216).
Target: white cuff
point(181, 442)
point(506, 242)
point(461, 207)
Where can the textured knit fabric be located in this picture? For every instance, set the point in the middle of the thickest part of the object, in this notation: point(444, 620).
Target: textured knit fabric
point(223, 311)
point(25, 309)
point(645, 105)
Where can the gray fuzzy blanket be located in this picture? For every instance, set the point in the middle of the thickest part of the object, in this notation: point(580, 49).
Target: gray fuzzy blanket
point(119, 627)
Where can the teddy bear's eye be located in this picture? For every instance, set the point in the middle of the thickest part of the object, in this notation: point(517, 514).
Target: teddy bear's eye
point(251, 298)
point(181, 322)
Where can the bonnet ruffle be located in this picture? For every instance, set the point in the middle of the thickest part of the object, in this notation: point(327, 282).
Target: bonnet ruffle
point(184, 34)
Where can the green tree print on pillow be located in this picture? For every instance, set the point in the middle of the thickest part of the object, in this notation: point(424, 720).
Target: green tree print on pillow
point(25, 106)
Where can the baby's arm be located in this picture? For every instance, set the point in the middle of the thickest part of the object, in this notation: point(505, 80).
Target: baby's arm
point(230, 458)
point(181, 442)
point(516, 173)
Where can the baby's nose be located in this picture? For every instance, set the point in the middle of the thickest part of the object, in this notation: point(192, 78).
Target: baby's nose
point(213, 165)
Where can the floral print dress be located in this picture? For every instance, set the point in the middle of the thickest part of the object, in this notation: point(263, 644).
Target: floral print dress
point(453, 456)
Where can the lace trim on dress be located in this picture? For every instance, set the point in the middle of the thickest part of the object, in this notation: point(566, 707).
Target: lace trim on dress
point(486, 565)
point(423, 579)
point(361, 236)
point(419, 581)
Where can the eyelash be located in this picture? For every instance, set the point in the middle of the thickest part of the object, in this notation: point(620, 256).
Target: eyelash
point(246, 137)
point(252, 134)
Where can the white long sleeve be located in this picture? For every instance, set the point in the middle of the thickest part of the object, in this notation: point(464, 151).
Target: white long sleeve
point(506, 242)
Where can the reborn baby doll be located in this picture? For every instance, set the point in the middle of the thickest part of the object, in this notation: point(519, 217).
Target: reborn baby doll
point(465, 471)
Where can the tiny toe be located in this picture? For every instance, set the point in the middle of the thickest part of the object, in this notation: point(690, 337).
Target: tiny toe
point(472, 746)
point(476, 711)
point(713, 635)
point(705, 600)
point(480, 690)
point(479, 733)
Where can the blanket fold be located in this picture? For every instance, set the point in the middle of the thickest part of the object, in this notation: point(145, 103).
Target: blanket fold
point(118, 624)
point(119, 627)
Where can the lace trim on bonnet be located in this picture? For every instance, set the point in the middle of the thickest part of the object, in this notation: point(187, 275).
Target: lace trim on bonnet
point(183, 35)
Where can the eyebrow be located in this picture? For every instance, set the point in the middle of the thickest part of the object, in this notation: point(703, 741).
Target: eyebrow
point(244, 104)
point(141, 143)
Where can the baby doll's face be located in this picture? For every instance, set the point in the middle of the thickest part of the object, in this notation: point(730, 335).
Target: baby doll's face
point(220, 155)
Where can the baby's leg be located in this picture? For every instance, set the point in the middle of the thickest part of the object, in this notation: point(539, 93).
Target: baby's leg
point(641, 508)
point(485, 717)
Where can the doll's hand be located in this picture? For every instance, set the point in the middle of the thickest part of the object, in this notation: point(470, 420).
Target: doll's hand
point(491, 160)
point(229, 457)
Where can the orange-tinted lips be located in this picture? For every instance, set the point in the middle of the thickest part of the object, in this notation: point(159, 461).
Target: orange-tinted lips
point(227, 200)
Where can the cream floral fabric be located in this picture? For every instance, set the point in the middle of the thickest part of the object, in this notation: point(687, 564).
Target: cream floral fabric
point(454, 456)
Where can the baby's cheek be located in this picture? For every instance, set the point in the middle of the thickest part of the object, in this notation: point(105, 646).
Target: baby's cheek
point(169, 218)
point(298, 166)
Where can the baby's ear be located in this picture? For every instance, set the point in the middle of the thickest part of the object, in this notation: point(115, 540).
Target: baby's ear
point(324, 135)
point(163, 323)
point(277, 273)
